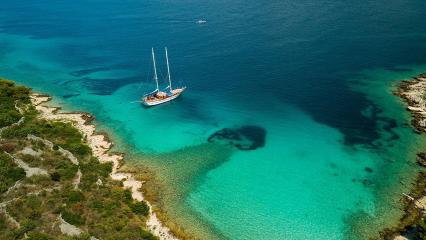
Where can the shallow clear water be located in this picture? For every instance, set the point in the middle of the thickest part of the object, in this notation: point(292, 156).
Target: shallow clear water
point(316, 76)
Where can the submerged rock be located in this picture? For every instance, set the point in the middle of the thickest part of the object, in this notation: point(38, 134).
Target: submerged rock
point(367, 182)
point(421, 159)
point(243, 138)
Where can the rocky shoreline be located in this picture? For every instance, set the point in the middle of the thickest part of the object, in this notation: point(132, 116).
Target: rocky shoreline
point(413, 92)
point(411, 225)
point(100, 144)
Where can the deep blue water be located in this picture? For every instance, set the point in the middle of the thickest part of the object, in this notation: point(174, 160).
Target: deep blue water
point(284, 66)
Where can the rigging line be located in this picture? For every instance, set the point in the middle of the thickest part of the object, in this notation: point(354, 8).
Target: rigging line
point(147, 75)
point(161, 74)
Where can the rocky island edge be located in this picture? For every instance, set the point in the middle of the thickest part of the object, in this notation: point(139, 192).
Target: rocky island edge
point(36, 142)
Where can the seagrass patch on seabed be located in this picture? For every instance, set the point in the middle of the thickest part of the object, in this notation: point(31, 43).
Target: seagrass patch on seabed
point(243, 138)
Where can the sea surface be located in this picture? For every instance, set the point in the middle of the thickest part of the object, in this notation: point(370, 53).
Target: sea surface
point(325, 150)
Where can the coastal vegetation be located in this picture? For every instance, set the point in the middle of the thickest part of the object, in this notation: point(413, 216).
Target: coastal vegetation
point(51, 184)
point(10, 95)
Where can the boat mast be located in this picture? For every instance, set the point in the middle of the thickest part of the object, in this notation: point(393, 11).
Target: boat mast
point(168, 70)
point(155, 69)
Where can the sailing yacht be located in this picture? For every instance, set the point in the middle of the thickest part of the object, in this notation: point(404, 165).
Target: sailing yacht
point(158, 96)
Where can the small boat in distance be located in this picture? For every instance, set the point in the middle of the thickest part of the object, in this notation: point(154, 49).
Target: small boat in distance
point(201, 21)
point(157, 97)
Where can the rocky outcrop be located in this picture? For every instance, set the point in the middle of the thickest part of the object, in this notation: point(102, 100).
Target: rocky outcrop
point(413, 92)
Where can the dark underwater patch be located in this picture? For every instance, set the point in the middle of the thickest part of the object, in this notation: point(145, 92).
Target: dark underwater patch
point(367, 182)
point(243, 138)
point(71, 95)
point(107, 86)
point(84, 72)
point(390, 124)
point(399, 69)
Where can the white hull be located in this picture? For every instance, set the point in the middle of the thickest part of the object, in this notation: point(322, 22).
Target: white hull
point(160, 101)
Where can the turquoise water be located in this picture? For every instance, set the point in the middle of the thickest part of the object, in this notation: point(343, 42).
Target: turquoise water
point(315, 76)
point(293, 183)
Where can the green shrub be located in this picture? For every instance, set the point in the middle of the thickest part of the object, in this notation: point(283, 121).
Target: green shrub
point(88, 181)
point(77, 148)
point(38, 236)
point(66, 170)
point(55, 176)
point(9, 95)
point(26, 226)
point(73, 196)
point(60, 133)
point(3, 222)
point(9, 117)
point(35, 214)
point(97, 204)
point(111, 206)
point(105, 169)
point(147, 235)
point(31, 160)
point(127, 194)
point(33, 202)
point(72, 218)
point(92, 171)
point(41, 180)
point(15, 173)
point(140, 208)
point(3, 187)
point(9, 172)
